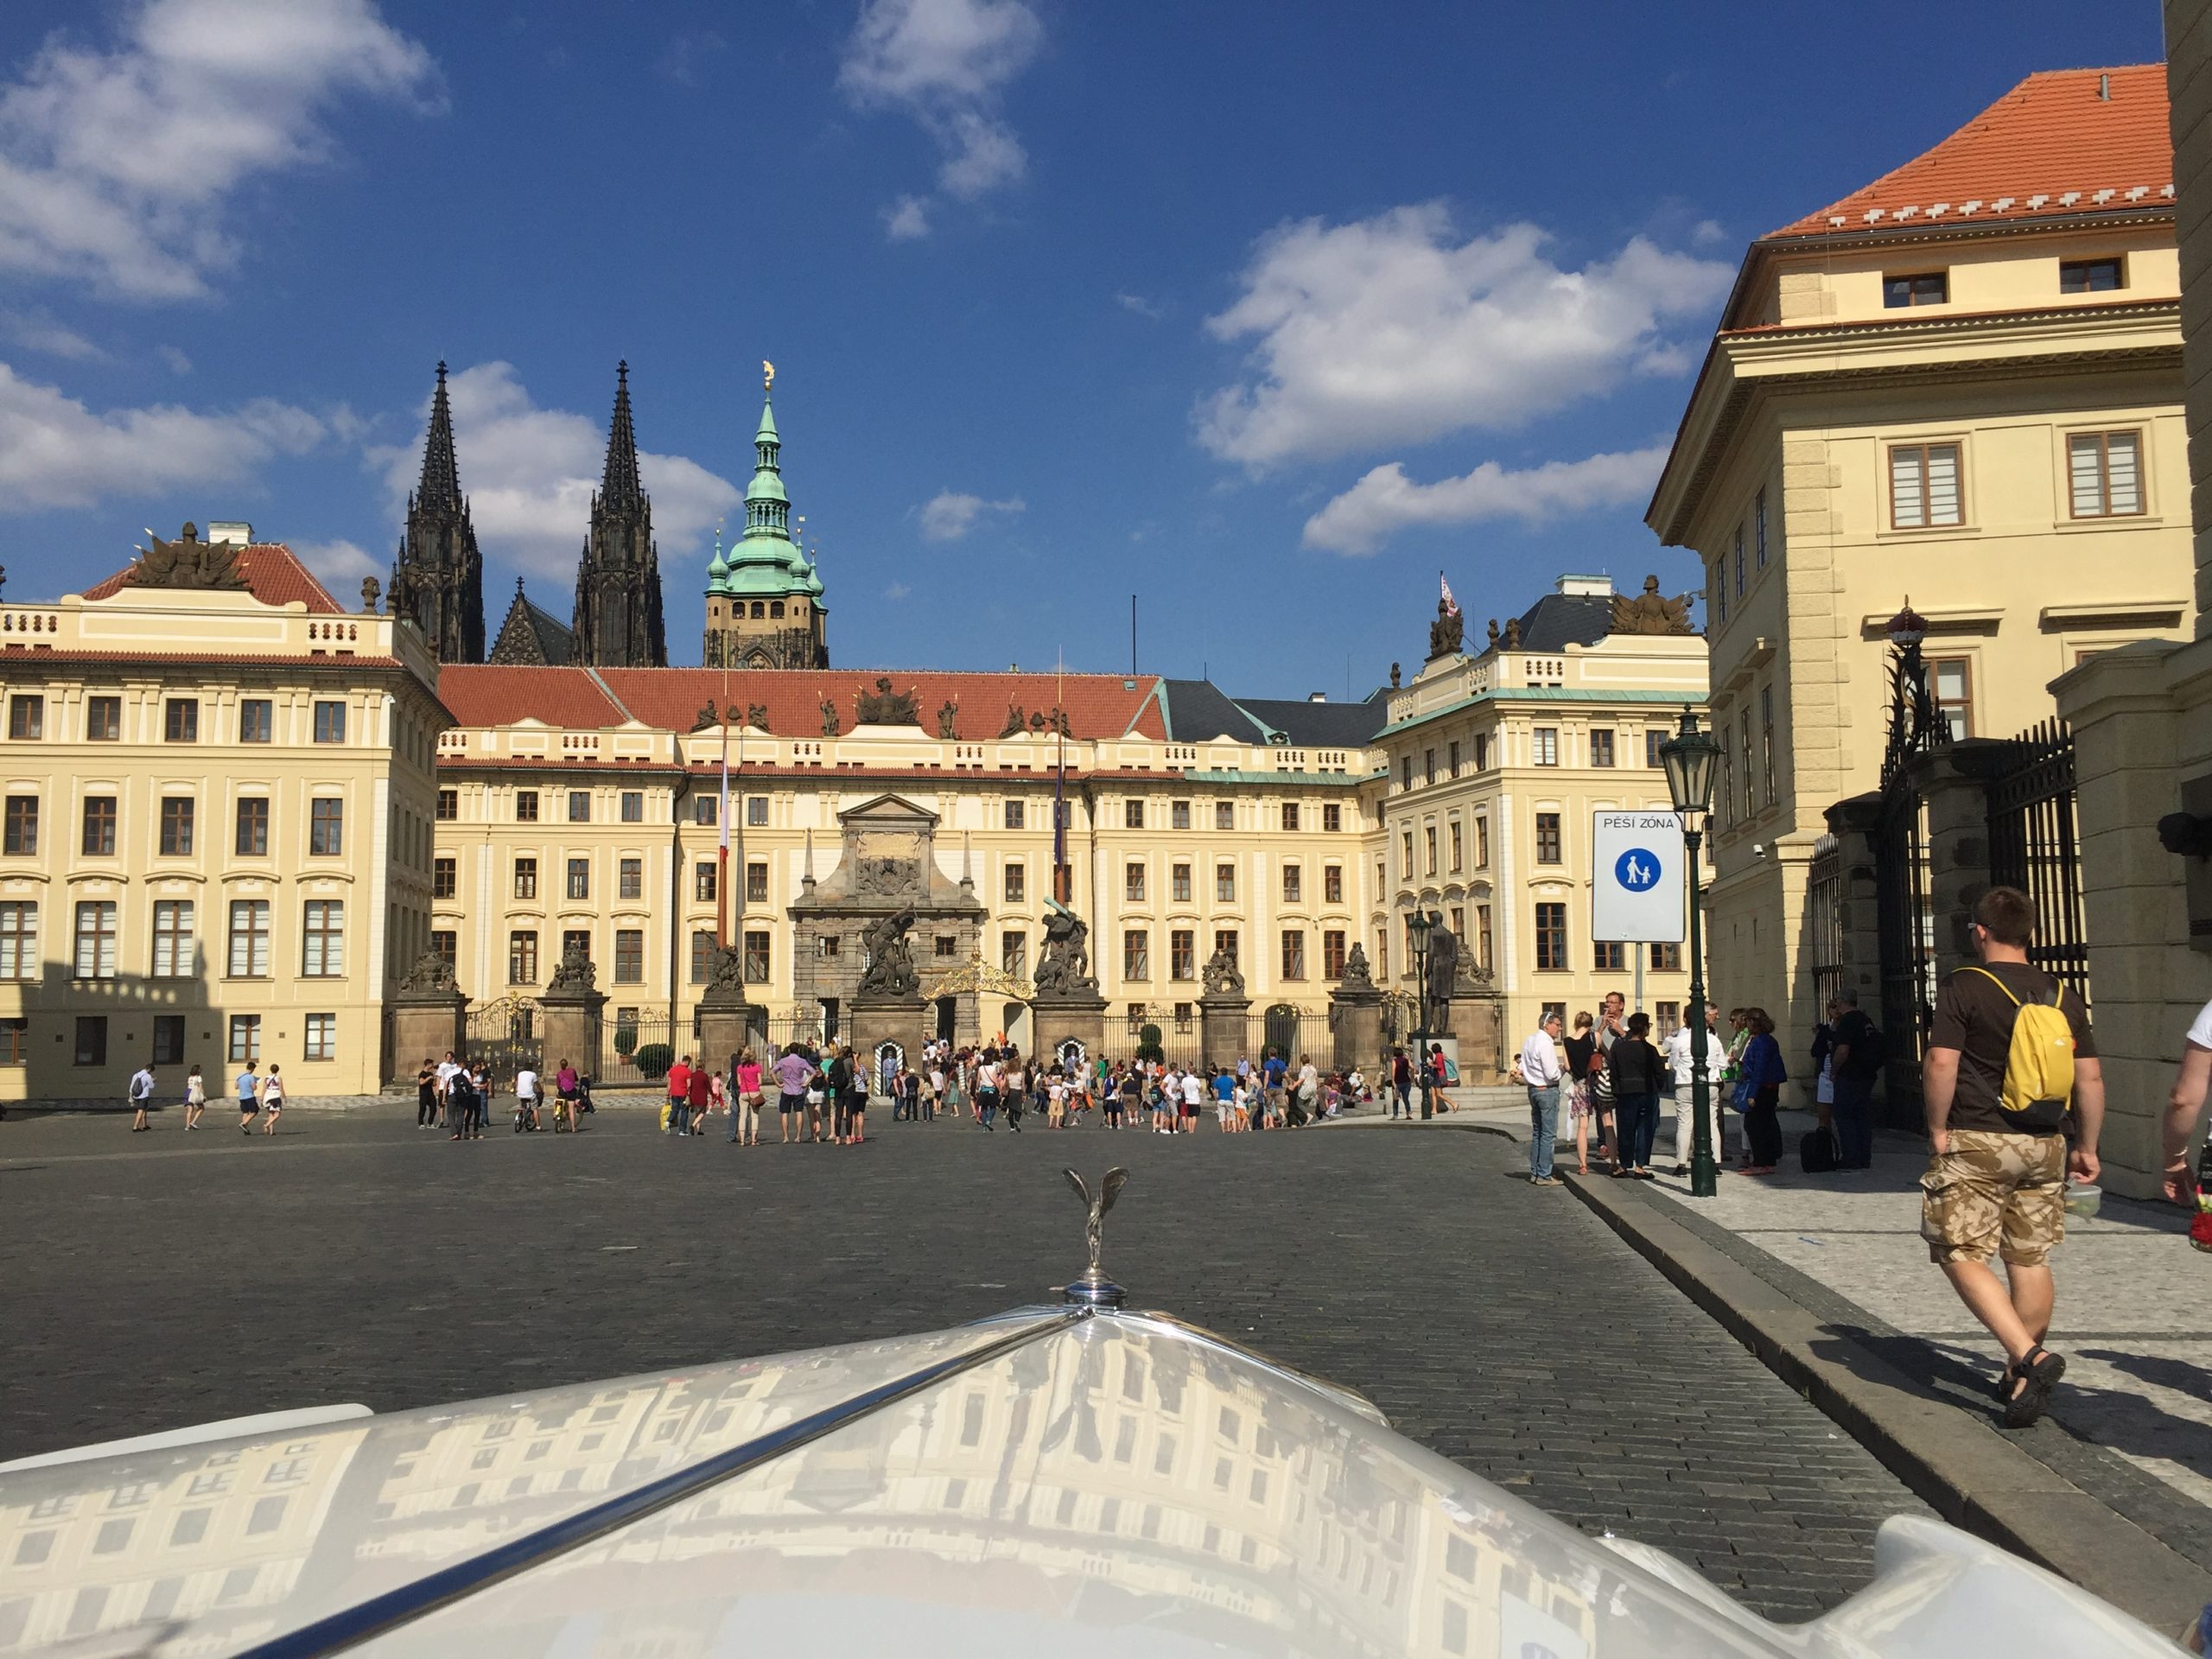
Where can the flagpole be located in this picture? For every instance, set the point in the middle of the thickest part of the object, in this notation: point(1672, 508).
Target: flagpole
point(722, 870)
point(1063, 884)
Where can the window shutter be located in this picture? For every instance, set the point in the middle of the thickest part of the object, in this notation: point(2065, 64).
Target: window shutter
point(2123, 477)
point(1943, 483)
point(1907, 509)
point(2089, 485)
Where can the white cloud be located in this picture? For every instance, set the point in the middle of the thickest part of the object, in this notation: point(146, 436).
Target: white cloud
point(906, 219)
point(1386, 501)
point(115, 165)
point(35, 331)
point(1707, 231)
point(341, 564)
point(529, 473)
point(896, 591)
point(178, 362)
point(944, 62)
point(1140, 305)
point(948, 516)
point(685, 61)
point(54, 452)
point(1394, 330)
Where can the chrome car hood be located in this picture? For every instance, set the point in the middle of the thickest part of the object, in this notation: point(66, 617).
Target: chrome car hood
point(1075, 1481)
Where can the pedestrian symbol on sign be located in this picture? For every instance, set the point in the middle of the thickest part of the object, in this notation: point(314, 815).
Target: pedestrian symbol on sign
point(1637, 870)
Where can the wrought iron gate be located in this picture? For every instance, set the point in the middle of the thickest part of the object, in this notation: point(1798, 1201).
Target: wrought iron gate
point(1901, 886)
point(2034, 846)
point(1824, 919)
point(504, 1035)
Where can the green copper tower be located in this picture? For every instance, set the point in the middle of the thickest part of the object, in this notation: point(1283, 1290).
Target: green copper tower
point(764, 594)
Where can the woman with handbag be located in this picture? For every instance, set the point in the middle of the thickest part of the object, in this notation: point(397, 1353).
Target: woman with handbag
point(1759, 1093)
point(1635, 1066)
point(1581, 1048)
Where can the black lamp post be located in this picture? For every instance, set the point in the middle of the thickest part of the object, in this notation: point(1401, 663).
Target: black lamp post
point(1689, 757)
point(1417, 930)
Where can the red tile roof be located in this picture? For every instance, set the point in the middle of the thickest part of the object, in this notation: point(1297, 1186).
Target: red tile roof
point(2049, 146)
point(1098, 705)
point(488, 694)
point(273, 573)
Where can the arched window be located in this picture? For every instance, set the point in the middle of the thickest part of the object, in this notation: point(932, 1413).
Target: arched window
point(759, 610)
point(776, 607)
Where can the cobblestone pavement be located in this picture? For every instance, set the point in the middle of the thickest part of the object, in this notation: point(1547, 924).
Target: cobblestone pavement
point(157, 1280)
point(2132, 1421)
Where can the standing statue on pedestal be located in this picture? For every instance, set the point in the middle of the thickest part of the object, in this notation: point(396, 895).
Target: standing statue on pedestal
point(1443, 977)
point(1220, 973)
point(1357, 976)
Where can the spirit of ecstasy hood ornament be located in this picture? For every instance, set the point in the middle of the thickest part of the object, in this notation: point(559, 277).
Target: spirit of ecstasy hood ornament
point(1094, 1289)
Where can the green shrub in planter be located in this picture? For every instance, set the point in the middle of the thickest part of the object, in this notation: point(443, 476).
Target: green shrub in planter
point(626, 1040)
point(1148, 1048)
point(653, 1059)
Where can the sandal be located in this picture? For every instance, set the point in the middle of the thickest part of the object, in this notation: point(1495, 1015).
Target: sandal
point(2036, 1376)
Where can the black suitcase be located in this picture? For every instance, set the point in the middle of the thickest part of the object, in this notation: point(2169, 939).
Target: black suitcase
point(1820, 1152)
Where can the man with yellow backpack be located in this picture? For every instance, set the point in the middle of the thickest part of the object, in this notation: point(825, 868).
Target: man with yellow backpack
point(2012, 1077)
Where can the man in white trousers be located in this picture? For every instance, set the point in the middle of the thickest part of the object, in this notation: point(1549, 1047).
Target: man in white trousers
point(1680, 1062)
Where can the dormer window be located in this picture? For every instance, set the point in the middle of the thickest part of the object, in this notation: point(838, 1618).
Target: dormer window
point(776, 607)
point(1923, 288)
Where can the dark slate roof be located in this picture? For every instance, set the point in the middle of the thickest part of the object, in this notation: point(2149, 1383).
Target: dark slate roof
point(1322, 725)
point(531, 637)
point(1558, 621)
point(1199, 709)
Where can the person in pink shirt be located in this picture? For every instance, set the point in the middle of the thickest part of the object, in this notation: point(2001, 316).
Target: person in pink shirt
point(744, 1110)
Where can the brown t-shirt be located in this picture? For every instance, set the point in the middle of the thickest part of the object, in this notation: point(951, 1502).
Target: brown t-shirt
point(1975, 1018)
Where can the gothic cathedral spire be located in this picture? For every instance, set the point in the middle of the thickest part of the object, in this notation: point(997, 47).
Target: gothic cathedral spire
point(618, 611)
point(438, 578)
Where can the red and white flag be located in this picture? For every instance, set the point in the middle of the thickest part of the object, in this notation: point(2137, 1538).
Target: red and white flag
point(1450, 605)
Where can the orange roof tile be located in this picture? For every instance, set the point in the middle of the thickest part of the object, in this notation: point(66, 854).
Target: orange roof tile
point(1098, 705)
point(273, 574)
point(2052, 145)
point(498, 695)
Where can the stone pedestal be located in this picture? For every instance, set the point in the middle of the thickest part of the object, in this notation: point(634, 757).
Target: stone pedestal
point(903, 1022)
point(1054, 1021)
point(424, 1023)
point(1473, 1021)
point(570, 1029)
point(1225, 1028)
point(1356, 1022)
point(727, 1027)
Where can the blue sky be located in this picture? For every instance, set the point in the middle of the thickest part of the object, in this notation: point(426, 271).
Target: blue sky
point(1263, 312)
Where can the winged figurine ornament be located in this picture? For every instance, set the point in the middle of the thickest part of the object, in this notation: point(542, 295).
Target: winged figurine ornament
point(1108, 1189)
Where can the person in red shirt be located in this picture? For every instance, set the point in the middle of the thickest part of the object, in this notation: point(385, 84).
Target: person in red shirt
point(700, 1094)
point(679, 1092)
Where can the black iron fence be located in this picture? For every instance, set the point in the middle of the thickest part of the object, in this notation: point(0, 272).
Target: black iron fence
point(2034, 846)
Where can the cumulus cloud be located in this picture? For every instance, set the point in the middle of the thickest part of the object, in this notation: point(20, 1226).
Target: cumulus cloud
point(529, 472)
point(1386, 501)
point(1394, 329)
point(54, 452)
point(178, 362)
point(943, 63)
point(1140, 305)
point(906, 219)
point(896, 591)
point(341, 564)
point(35, 331)
point(948, 516)
point(117, 164)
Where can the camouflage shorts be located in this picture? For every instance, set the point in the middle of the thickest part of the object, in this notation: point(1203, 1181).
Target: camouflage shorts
point(1995, 1194)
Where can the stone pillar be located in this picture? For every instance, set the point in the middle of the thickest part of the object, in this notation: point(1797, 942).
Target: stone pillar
point(1472, 1021)
point(1953, 784)
point(1356, 1022)
point(1052, 1021)
point(571, 1029)
point(1854, 823)
point(1225, 1028)
point(433, 1023)
point(898, 1020)
point(726, 1028)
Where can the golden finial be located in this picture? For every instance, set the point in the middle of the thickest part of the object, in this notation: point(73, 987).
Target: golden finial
point(767, 375)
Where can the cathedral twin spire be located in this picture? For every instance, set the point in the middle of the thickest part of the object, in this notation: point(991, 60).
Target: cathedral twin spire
point(438, 577)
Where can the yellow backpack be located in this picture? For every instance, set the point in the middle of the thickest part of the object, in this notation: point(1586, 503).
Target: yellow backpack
point(2039, 1061)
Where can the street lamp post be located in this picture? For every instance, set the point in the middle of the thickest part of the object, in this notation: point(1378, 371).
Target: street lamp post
point(1417, 930)
point(1689, 757)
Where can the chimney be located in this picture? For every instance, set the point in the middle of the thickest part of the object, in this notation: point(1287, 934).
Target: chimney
point(230, 533)
point(2104, 89)
point(1316, 697)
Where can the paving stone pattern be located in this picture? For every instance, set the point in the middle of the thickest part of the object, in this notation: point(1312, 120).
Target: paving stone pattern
point(155, 1279)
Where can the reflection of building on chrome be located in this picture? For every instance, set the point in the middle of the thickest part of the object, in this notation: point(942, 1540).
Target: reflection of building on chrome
point(1056, 1481)
point(191, 1532)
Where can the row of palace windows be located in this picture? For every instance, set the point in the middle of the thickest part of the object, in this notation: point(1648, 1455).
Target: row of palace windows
point(174, 838)
point(180, 720)
point(1136, 882)
point(2100, 276)
point(1607, 746)
point(317, 1034)
point(1182, 952)
point(1927, 489)
point(1458, 842)
point(96, 939)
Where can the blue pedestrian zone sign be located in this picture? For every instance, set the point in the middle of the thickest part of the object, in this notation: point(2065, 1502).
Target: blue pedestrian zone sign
point(1637, 895)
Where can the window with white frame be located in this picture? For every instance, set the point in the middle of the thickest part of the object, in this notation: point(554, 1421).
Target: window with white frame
point(1924, 491)
point(2104, 474)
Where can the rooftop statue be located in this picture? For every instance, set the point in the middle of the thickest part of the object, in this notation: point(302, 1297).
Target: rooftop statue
point(187, 561)
point(1650, 613)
